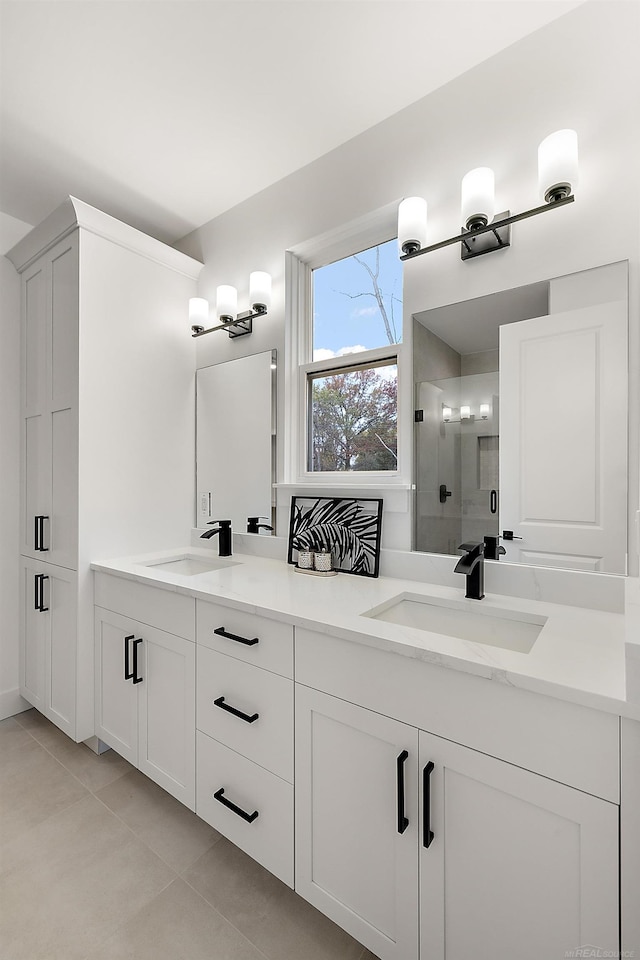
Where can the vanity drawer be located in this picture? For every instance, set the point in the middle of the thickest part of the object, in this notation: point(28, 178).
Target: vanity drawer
point(165, 609)
point(267, 740)
point(566, 742)
point(268, 837)
point(258, 640)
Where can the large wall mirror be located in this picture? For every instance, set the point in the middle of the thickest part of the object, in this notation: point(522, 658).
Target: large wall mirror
point(521, 422)
point(236, 442)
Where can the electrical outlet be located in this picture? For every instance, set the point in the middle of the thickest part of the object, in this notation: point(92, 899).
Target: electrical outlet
point(204, 506)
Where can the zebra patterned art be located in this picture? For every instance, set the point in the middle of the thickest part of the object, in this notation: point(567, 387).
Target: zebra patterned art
point(350, 528)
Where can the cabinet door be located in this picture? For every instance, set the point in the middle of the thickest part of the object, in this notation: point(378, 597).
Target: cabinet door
point(356, 836)
point(60, 595)
point(519, 865)
point(34, 334)
point(48, 641)
point(50, 294)
point(167, 712)
point(33, 635)
point(116, 698)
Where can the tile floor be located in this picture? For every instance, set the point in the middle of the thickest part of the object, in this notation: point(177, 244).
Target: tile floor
point(98, 863)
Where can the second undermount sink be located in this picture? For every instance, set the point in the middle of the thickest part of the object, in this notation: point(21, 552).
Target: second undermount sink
point(189, 564)
point(509, 629)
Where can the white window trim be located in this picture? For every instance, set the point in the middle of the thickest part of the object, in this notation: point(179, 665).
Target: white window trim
point(375, 228)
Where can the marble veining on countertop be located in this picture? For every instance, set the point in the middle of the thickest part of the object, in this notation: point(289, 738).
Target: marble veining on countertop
point(578, 656)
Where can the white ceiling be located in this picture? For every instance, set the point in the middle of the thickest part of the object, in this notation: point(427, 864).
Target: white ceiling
point(165, 113)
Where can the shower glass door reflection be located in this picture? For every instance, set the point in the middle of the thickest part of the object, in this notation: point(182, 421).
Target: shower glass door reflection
point(457, 462)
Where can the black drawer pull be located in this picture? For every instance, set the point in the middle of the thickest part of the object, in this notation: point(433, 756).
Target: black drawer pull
point(128, 672)
point(220, 797)
point(39, 579)
point(237, 713)
point(131, 673)
point(136, 678)
point(426, 805)
point(38, 534)
point(403, 821)
point(221, 632)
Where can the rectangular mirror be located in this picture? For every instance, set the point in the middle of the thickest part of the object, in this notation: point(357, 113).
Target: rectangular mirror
point(236, 443)
point(521, 423)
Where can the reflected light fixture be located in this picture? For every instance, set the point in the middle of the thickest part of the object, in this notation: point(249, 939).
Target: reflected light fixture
point(483, 231)
point(465, 412)
point(236, 324)
point(485, 410)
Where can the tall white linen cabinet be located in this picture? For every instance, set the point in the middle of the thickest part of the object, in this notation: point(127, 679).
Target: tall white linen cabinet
point(107, 432)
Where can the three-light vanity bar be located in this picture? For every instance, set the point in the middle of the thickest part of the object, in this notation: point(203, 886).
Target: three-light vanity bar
point(482, 231)
point(236, 324)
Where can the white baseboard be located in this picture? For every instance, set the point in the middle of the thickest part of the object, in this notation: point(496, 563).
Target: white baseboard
point(11, 703)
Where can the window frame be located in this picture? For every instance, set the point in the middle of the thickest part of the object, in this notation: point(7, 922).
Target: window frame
point(301, 261)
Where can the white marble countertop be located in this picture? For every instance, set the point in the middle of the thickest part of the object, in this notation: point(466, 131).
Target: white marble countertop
point(578, 656)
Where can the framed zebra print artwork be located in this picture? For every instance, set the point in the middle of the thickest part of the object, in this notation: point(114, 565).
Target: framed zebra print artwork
point(347, 526)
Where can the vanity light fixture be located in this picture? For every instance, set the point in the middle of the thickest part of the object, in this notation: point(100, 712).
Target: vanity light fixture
point(482, 232)
point(465, 412)
point(236, 324)
point(485, 410)
point(446, 414)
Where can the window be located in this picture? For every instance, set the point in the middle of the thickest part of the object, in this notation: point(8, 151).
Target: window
point(351, 379)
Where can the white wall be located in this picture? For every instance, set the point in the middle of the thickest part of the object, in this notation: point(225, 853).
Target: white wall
point(581, 72)
point(11, 231)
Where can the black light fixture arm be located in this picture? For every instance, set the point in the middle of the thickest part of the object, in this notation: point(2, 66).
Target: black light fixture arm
point(492, 227)
point(236, 326)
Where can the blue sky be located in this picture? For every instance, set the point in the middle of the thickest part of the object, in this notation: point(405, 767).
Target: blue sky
point(342, 322)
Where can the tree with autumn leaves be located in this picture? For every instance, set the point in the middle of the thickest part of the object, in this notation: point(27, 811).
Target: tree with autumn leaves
point(354, 421)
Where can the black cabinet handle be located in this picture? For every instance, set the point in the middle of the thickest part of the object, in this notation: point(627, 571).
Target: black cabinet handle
point(403, 821)
point(220, 797)
point(38, 533)
point(128, 672)
point(131, 672)
point(38, 603)
point(493, 501)
point(237, 713)
point(136, 678)
point(221, 632)
point(426, 805)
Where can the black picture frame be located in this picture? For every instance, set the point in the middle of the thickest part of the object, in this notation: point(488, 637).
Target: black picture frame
point(351, 527)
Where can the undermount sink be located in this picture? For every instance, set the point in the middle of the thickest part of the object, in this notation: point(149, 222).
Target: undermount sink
point(509, 629)
point(188, 564)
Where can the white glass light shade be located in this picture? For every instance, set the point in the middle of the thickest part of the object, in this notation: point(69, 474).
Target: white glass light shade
point(412, 225)
point(478, 197)
point(465, 412)
point(485, 410)
point(558, 165)
point(260, 290)
point(446, 414)
point(226, 302)
point(198, 312)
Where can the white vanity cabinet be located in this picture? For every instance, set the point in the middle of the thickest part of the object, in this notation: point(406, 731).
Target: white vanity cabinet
point(356, 821)
point(508, 861)
point(106, 418)
point(245, 733)
point(145, 682)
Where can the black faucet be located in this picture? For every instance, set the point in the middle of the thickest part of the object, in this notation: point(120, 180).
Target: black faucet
point(254, 525)
point(472, 565)
point(493, 550)
point(224, 543)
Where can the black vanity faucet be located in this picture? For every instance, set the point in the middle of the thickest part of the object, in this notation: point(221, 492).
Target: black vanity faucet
point(493, 549)
point(472, 565)
point(224, 543)
point(254, 525)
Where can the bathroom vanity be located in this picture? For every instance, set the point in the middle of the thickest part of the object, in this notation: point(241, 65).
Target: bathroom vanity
point(450, 796)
